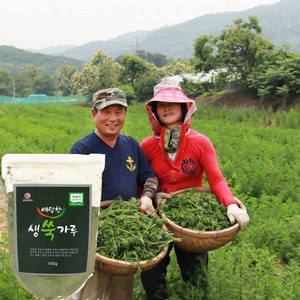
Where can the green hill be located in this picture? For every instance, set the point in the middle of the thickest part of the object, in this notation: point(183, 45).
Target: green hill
point(12, 59)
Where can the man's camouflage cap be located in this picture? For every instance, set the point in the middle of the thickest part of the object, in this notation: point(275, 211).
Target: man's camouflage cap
point(110, 96)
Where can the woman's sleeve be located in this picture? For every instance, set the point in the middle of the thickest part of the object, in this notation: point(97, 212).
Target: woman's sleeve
point(213, 173)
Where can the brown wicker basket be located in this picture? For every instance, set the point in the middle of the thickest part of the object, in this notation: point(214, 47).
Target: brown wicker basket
point(119, 267)
point(199, 241)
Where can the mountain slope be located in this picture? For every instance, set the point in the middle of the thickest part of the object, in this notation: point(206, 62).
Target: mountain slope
point(12, 59)
point(280, 23)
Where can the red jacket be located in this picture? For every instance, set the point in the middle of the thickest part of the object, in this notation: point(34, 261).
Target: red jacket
point(195, 156)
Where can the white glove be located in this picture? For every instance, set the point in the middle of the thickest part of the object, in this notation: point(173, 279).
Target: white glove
point(161, 198)
point(146, 205)
point(236, 214)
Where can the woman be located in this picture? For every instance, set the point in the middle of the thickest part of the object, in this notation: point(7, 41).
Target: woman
point(180, 156)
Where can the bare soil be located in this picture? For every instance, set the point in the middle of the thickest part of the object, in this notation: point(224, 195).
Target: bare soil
point(239, 99)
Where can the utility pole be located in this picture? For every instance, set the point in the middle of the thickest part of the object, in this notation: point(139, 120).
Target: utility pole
point(136, 46)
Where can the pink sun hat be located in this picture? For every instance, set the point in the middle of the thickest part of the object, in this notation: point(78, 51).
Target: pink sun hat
point(170, 91)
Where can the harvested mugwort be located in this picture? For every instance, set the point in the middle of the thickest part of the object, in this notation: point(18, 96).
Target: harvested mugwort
point(195, 210)
point(126, 234)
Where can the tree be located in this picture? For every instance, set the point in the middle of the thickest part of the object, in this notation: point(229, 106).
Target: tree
point(242, 55)
point(24, 80)
point(132, 67)
point(178, 67)
point(6, 83)
point(158, 59)
point(44, 84)
point(144, 85)
point(279, 77)
point(102, 72)
point(204, 52)
point(237, 51)
point(33, 80)
point(64, 75)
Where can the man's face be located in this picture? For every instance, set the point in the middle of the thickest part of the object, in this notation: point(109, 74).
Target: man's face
point(110, 120)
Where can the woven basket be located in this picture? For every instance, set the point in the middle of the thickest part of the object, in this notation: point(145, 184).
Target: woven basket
point(119, 267)
point(200, 241)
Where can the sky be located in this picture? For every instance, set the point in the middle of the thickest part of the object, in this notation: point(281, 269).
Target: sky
point(37, 24)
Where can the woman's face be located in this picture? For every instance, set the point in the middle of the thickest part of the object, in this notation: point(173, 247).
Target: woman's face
point(170, 114)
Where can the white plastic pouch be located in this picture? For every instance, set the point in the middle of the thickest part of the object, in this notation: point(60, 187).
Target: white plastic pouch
point(53, 211)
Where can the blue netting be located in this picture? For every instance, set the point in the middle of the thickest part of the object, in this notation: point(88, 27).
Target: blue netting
point(43, 99)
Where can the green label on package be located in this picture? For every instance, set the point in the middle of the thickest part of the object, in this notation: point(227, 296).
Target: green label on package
point(52, 228)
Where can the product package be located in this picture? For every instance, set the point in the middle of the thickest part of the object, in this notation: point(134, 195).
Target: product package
point(53, 203)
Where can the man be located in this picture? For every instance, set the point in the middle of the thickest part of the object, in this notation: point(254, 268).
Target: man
point(126, 170)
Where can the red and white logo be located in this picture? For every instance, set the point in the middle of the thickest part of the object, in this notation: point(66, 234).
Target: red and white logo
point(27, 196)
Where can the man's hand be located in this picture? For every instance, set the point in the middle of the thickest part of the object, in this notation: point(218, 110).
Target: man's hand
point(236, 214)
point(146, 205)
point(161, 198)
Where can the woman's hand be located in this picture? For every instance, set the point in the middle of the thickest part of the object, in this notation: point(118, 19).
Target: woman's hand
point(161, 198)
point(236, 214)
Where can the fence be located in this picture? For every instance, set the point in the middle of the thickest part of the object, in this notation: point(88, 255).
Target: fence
point(43, 99)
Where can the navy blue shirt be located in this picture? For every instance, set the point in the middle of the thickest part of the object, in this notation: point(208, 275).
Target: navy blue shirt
point(126, 166)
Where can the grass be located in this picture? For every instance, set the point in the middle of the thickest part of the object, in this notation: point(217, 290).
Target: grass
point(259, 155)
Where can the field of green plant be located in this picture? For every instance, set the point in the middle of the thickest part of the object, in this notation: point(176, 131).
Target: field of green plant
point(259, 154)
